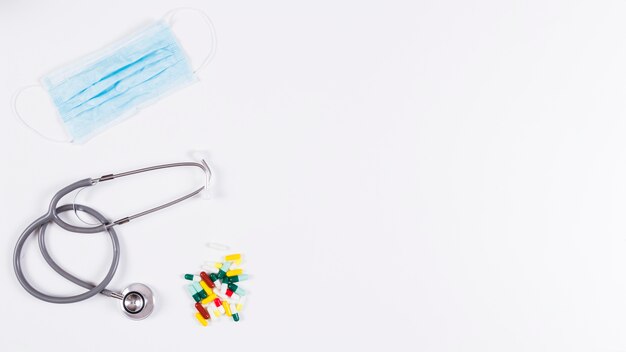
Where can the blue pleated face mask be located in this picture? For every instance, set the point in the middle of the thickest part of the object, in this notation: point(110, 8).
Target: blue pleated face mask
point(103, 89)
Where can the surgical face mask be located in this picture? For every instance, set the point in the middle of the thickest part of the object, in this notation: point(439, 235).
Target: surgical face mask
point(103, 89)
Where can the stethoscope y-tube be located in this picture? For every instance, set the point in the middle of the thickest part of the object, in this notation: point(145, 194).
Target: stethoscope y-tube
point(137, 300)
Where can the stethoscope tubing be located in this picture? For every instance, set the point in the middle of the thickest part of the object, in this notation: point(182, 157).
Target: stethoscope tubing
point(39, 226)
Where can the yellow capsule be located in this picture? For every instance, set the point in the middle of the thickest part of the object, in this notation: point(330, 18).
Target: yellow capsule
point(232, 257)
point(206, 287)
point(206, 301)
point(201, 319)
point(211, 297)
point(238, 262)
point(216, 312)
point(234, 272)
point(240, 303)
point(218, 265)
point(227, 308)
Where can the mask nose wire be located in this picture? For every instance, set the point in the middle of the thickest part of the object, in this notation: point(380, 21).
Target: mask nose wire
point(171, 15)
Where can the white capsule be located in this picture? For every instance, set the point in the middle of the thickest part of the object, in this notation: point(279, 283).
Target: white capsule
point(220, 295)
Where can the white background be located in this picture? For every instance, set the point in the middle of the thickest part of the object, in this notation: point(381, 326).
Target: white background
point(418, 175)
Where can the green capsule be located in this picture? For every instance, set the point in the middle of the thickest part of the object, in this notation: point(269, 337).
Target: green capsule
point(236, 316)
point(237, 278)
point(194, 293)
point(200, 290)
point(222, 273)
point(236, 289)
point(189, 277)
point(213, 277)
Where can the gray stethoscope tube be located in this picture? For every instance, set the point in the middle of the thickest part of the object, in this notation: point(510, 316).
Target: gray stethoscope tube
point(137, 300)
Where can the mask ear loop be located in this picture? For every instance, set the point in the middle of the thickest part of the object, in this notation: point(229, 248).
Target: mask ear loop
point(169, 17)
point(17, 114)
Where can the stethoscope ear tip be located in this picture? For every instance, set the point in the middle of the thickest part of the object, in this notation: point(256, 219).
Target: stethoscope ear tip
point(137, 301)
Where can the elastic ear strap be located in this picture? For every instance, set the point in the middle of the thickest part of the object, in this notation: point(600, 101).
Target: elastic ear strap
point(169, 17)
point(17, 114)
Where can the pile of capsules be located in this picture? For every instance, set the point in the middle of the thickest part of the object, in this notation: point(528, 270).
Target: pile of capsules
point(217, 293)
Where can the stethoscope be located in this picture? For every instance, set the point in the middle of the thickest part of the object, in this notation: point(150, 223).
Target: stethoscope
point(137, 300)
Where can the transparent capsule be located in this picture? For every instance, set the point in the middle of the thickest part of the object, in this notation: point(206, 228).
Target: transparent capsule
point(240, 304)
point(201, 319)
point(210, 268)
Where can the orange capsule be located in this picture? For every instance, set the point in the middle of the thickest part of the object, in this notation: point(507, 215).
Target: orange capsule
point(202, 311)
point(207, 280)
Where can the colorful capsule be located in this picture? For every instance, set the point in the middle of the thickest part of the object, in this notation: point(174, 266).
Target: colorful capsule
point(223, 270)
point(193, 293)
point(202, 311)
point(200, 290)
point(219, 305)
point(232, 295)
point(236, 289)
point(215, 280)
point(206, 288)
point(236, 278)
point(192, 277)
point(234, 272)
point(216, 312)
point(232, 257)
point(227, 309)
point(242, 300)
point(201, 319)
point(207, 279)
point(234, 311)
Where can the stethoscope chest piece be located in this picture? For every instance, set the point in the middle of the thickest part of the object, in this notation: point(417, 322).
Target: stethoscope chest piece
point(137, 301)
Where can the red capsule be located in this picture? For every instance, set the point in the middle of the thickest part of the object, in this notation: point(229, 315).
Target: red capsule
point(202, 311)
point(217, 302)
point(229, 293)
point(207, 279)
